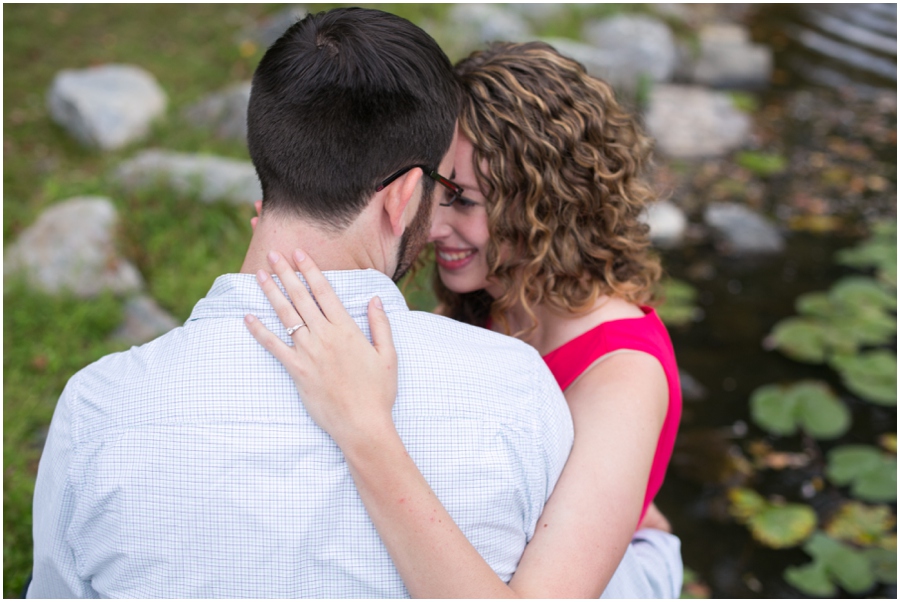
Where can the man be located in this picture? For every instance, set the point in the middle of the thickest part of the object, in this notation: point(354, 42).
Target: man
point(188, 468)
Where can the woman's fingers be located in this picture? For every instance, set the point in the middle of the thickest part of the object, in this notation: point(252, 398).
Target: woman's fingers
point(303, 302)
point(267, 339)
point(283, 308)
point(382, 337)
point(321, 289)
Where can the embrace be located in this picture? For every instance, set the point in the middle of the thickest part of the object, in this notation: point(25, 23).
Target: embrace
point(304, 434)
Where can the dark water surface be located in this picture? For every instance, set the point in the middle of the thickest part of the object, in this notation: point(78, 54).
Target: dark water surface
point(741, 303)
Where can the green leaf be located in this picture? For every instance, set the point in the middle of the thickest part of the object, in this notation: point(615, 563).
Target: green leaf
point(861, 524)
point(872, 476)
point(745, 503)
point(819, 411)
point(812, 579)
point(883, 563)
point(679, 302)
point(879, 485)
point(773, 411)
point(801, 339)
point(855, 291)
point(809, 405)
point(762, 164)
point(847, 461)
point(783, 526)
point(818, 305)
point(848, 567)
point(872, 375)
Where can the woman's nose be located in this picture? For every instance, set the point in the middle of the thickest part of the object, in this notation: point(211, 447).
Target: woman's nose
point(440, 227)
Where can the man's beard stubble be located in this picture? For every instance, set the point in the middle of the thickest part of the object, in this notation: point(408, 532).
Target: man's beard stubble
point(414, 238)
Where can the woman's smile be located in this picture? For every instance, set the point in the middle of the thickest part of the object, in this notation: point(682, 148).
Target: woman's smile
point(454, 259)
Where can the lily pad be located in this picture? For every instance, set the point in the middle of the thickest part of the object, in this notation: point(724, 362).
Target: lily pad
point(783, 526)
point(809, 405)
point(801, 339)
point(835, 563)
point(679, 302)
point(871, 475)
point(859, 291)
point(884, 564)
point(872, 375)
point(776, 525)
point(745, 503)
point(860, 524)
point(812, 579)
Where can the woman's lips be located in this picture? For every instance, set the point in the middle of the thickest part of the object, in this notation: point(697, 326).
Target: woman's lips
point(454, 259)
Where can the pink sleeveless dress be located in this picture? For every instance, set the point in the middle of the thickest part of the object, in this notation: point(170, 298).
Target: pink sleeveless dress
point(647, 334)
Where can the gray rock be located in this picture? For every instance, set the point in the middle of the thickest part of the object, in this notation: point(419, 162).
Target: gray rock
point(481, 23)
point(211, 178)
point(636, 46)
point(538, 11)
point(693, 122)
point(729, 60)
point(742, 230)
point(224, 112)
point(270, 29)
point(106, 107)
point(71, 247)
point(144, 321)
point(667, 223)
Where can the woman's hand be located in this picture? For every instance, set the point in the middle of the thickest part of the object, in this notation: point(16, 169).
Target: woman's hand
point(347, 385)
point(654, 519)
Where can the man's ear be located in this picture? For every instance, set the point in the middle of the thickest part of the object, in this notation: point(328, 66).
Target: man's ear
point(400, 195)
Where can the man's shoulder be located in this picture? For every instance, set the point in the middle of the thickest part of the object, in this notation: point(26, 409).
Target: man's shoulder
point(432, 330)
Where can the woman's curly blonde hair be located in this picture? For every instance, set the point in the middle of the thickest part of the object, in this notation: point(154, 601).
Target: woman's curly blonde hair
point(559, 161)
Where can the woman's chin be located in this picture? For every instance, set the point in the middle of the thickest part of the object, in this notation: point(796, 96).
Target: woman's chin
point(459, 283)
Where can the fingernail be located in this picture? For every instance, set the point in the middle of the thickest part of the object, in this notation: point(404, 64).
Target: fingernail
point(299, 256)
point(273, 257)
point(249, 318)
point(377, 301)
point(262, 276)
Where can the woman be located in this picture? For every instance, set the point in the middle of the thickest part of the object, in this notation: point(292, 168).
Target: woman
point(544, 243)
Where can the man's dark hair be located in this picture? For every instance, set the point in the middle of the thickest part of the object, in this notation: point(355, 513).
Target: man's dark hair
point(342, 100)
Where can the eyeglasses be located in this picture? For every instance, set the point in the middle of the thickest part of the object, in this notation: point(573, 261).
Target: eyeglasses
point(456, 191)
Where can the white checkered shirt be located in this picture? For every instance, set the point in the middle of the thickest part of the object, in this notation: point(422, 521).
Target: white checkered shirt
point(187, 467)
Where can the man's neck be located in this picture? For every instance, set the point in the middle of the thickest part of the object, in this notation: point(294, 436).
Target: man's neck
point(330, 251)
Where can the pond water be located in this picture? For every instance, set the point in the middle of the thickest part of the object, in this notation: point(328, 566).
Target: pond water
point(723, 352)
point(741, 299)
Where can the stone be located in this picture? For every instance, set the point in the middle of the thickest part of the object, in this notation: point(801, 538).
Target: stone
point(667, 223)
point(271, 28)
point(144, 321)
point(742, 230)
point(223, 112)
point(106, 107)
point(691, 122)
point(211, 178)
point(636, 46)
point(728, 59)
point(71, 247)
point(538, 12)
point(482, 23)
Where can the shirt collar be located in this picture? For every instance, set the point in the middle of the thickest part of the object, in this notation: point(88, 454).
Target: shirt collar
point(240, 294)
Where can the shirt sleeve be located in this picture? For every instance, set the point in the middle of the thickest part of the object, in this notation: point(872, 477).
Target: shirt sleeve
point(55, 573)
point(651, 568)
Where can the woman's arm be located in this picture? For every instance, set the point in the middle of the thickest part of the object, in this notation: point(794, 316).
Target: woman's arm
point(588, 521)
